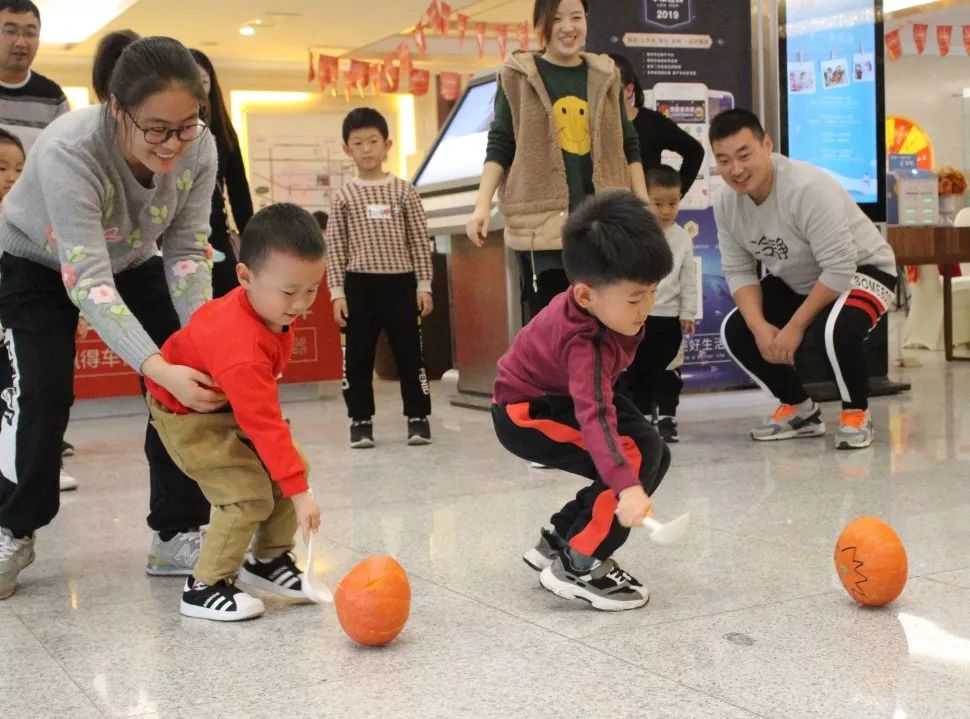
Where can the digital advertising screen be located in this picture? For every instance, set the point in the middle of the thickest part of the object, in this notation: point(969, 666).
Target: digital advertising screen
point(832, 99)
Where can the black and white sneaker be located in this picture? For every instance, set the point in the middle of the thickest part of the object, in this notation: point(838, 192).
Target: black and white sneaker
point(605, 586)
point(542, 555)
point(362, 434)
point(419, 431)
point(221, 602)
point(278, 576)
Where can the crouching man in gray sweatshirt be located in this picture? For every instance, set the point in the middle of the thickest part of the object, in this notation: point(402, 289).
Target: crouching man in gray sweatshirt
point(829, 271)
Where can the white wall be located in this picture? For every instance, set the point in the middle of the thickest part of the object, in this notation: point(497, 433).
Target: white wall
point(929, 90)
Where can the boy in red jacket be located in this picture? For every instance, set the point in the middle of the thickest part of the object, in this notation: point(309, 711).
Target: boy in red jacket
point(554, 402)
point(243, 455)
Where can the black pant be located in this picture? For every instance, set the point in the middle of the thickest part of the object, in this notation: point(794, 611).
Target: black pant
point(648, 379)
point(545, 430)
point(40, 324)
point(840, 331)
point(224, 278)
point(549, 283)
point(388, 302)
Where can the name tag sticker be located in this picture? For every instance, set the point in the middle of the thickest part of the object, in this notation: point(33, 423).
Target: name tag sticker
point(379, 212)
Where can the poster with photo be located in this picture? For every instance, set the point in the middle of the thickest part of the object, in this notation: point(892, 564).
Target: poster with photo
point(864, 67)
point(835, 73)
point(801, 78)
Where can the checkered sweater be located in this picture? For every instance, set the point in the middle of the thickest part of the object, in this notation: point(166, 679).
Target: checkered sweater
point(377, 227)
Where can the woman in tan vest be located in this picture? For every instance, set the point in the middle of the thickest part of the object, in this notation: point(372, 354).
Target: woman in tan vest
point(560, 133)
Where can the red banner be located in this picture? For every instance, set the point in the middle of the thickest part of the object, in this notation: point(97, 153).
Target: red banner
point(449, 84)
point(390, 78)
point(311, 73)
point(894, 44)
point(432, 15)
point(404, 57)
point(943, 35)
point(522, 30)
point(359, 75)
point(502, 35)
point(966, 38)
point(420, 40)
point(327, 71)
point(920, 32)
point(480, 28)
point(445, 22)
point(419, 81)
point(462, 29)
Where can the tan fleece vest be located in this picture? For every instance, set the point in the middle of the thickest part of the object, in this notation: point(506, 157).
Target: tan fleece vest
point(534, 196)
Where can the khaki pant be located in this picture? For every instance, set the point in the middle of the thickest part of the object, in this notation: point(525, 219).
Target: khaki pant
point(247, 506)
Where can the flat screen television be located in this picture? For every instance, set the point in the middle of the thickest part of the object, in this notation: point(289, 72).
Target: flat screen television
point(455, 160)
point(832, 93)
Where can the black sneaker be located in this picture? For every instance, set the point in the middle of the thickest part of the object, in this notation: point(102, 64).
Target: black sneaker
point(605, 586)
point(419, 431)
point(667, 427)
point(280, 576)
point(221, 602)
point(361, 434)
point(67, 449)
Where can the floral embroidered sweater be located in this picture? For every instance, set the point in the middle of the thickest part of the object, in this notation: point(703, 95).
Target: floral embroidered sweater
point(78, 209)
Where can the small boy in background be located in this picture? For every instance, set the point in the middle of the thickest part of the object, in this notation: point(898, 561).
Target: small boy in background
point(380, 278)
point(12, 159)
point(655, 388)
point(554, 401)
point(243, 456)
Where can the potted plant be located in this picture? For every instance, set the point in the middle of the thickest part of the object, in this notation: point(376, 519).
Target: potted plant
point(952, 185)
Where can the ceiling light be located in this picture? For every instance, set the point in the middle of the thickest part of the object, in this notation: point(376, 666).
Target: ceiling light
point(67, 22)
point(896, 5)
point(247, 30)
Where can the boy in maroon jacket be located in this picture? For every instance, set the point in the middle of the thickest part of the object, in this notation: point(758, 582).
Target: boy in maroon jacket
point(554, 401)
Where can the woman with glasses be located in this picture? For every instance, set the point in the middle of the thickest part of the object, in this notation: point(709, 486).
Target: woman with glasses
point(232, 188)
point(80, 232)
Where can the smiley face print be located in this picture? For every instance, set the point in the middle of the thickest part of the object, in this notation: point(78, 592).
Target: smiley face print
point(572, 122)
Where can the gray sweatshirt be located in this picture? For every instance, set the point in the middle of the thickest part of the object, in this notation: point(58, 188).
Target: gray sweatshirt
point(677, 292)
point(808, 230)
point(78, 209)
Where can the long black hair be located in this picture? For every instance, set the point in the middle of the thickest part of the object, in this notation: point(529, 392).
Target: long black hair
point(217, 116)
point(106, 57)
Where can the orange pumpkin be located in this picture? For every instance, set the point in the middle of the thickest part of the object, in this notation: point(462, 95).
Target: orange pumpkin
point(871, 561)
point(373, 601)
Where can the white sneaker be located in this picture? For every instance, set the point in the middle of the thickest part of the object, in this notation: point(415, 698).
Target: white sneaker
point(855, 429)
point(15, 555)
point(176, 557)
point(68, 483)
point(220, 602)
point(788, 422)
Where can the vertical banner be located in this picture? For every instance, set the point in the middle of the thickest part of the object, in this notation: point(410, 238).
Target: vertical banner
point(894, 44)
point(920, 32)
point(419, 81)
point(502, 37)
point(462, 28)
point(943, 35)
point(449, 84)
point(693, 59)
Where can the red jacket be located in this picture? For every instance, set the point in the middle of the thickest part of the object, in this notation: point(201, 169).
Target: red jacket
point(227, 340)
point(565, 351)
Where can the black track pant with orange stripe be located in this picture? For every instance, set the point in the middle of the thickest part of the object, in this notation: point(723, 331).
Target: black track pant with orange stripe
point(840, 330)
point(546, 430)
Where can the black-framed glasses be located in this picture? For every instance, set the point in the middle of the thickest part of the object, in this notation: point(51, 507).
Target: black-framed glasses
point(160, 135)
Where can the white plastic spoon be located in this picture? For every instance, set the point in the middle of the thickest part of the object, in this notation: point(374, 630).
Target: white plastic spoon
point(667, 533)
point(320, 593)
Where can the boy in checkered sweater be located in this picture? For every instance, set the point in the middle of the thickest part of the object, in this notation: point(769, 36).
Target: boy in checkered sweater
point(380, 278)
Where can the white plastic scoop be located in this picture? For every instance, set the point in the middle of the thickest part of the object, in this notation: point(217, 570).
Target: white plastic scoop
point(315, 588)
point(667, 533)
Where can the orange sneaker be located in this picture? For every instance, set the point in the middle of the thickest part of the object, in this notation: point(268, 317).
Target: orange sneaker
point(787, 422)
point(855, 429)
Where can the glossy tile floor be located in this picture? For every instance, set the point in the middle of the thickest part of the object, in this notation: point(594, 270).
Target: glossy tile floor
point(746, 617)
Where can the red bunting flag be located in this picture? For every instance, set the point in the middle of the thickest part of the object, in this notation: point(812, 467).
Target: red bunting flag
point(502, 35)
point(311, 73)
point(432, 14)
point(419, 81)
point(404, 57)
point(449, 85)
point(894, 44)
point(327, 71)
point(462, 29)
point(943, 36)
point(390, 78)
point(522, 30)
point(966, 38)
point(480, 28)
point(420, 40)
point(920, 32)
point(445, 19)
point(359, 75)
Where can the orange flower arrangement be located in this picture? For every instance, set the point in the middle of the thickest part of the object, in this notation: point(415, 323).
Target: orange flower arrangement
point(951, 181)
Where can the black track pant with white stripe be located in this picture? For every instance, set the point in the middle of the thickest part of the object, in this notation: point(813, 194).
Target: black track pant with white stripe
point(39, 323)
point(840, 331)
